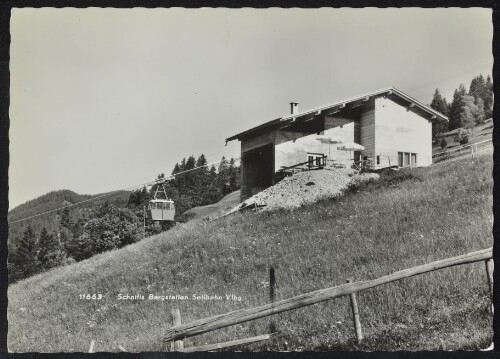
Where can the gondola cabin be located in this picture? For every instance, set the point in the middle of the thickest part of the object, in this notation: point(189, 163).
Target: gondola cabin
point(161, 210)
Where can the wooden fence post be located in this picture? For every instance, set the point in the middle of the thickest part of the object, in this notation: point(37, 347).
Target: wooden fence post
point(272, 296)
point(176, 320)
point(489, 272)
point(355, 315)
point(91, 349)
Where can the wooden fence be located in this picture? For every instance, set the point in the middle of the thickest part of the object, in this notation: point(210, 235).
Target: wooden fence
point(197, 327)
point(471, 149)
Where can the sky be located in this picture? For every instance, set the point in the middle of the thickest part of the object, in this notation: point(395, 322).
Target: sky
point(105, 99)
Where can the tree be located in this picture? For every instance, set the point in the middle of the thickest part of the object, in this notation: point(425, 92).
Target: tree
point(24, 262)
point(190, 163)
point(456, 107)
point(201, 180)
point(480, 91)
point(182, 166)
point(234, 175)
point(479, 115)
point(176, 169)
point(138, 199)
point(51, 253)
point(470, 113)
point(462, 136)
point(223, 176)
point(488, 98)
point(65, 219)
point(439, 104)
point(108, 228)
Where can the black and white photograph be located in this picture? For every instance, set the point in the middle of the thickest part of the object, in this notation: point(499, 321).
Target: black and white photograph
point(251, 180)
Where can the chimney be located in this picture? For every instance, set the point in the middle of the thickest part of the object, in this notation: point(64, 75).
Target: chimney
point(294, 108)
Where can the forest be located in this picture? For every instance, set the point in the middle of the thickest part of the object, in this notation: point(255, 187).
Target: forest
point(467, 108)
point(77, 233)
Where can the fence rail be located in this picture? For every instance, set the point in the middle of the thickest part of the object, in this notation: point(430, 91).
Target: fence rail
point(243, 315)
point(472, 146)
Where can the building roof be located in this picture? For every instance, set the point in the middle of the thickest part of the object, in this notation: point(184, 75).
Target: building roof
point(389, 91)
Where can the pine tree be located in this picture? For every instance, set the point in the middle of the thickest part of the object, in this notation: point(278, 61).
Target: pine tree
point(482, 91)
point(65, 219)
point(213, 173)
point(50, 254)
point(488, 98)
point(223, 176)
point(182, 166)
point(439, 104)
point(201, 161)
point(201, 180)
point(190, 177)
point(234, 175)
point(479, 115)
point(24, 261)
point(176, 169)
point(456, 107)
point(190, 163)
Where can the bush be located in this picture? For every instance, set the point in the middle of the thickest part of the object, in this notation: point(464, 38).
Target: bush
point(388, 178)
point(443, 143)
point(462, 136)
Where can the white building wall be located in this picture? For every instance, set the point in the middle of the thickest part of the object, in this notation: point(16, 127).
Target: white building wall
point(400, 130)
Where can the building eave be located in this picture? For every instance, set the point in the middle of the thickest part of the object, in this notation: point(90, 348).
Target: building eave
point(286, 120)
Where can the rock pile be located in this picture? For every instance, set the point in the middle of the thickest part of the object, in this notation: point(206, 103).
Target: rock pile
point(305, 187)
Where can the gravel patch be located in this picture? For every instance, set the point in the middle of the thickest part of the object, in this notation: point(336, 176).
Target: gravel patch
point(305, 187)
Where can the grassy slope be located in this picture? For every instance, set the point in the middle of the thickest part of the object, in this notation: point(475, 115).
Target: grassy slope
point(215, 210)
point(480, 133)
point(437, 212)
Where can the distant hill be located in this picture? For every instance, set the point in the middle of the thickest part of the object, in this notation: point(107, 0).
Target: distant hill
point(51, 201)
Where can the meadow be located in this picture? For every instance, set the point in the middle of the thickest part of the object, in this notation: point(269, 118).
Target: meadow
point(404, 219)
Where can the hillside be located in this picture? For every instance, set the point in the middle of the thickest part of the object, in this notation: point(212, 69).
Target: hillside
point(404, 219)
point(212, 211)
point(51, 201)
point(479, 133)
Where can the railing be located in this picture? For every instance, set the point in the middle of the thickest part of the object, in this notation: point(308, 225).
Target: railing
point(197, 327)
point(316, 163)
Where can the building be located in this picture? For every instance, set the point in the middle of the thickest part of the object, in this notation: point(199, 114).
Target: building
point(392, 127)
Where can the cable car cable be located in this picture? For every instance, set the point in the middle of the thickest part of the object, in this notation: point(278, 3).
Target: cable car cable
point(113, 192)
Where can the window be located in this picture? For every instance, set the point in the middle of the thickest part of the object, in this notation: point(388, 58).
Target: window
point(413, 159)
point(407, 159)
point(378, 160)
